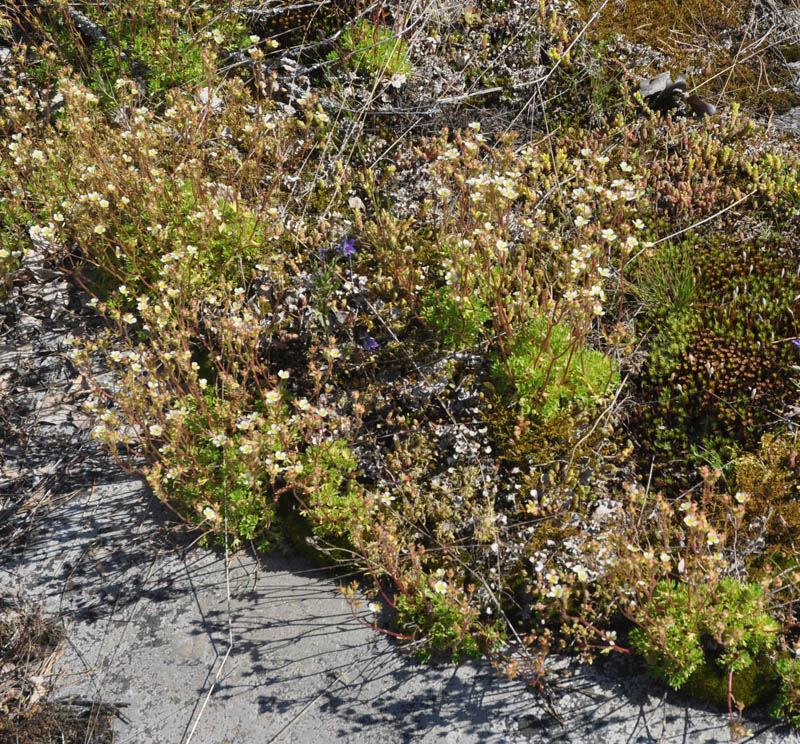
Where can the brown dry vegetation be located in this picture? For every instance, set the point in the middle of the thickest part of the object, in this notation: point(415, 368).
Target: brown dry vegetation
point(432, 288)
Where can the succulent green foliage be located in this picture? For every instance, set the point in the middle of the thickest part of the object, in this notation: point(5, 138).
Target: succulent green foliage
point(459, 324)
point(552, 374)
point(372, 50)
point(13, 220)
point(167, 58)
point(335, 501)
point(724, 624)
point(449, 626)
point(162, 45)
point(786, 704)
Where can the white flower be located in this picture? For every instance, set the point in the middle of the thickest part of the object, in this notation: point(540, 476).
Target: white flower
point(129, 318)
point(609, 235)
point(374, 608)
point(209, 513)
point(156, 430)
point(283, 374)
point(246, 448)
point(741, 497)
point(386, 498)
point(440, 587)
point(556, 591)
point(99, 229)
point(219, 440)
point(273, 396)
point(334, 353)
point(508, 192)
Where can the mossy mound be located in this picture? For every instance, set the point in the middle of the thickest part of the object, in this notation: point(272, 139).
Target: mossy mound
point(756, 683)
point(705, 37)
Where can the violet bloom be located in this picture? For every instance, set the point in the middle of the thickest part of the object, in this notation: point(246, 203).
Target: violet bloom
point(796, 342)
point(370, 344)
point(347, 247)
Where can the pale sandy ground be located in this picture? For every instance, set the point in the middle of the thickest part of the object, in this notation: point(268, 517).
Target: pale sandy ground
point(154, 622)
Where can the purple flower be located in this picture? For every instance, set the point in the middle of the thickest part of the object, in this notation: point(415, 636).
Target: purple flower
point(370, 344)
point(796, 342)
point(347, 247)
